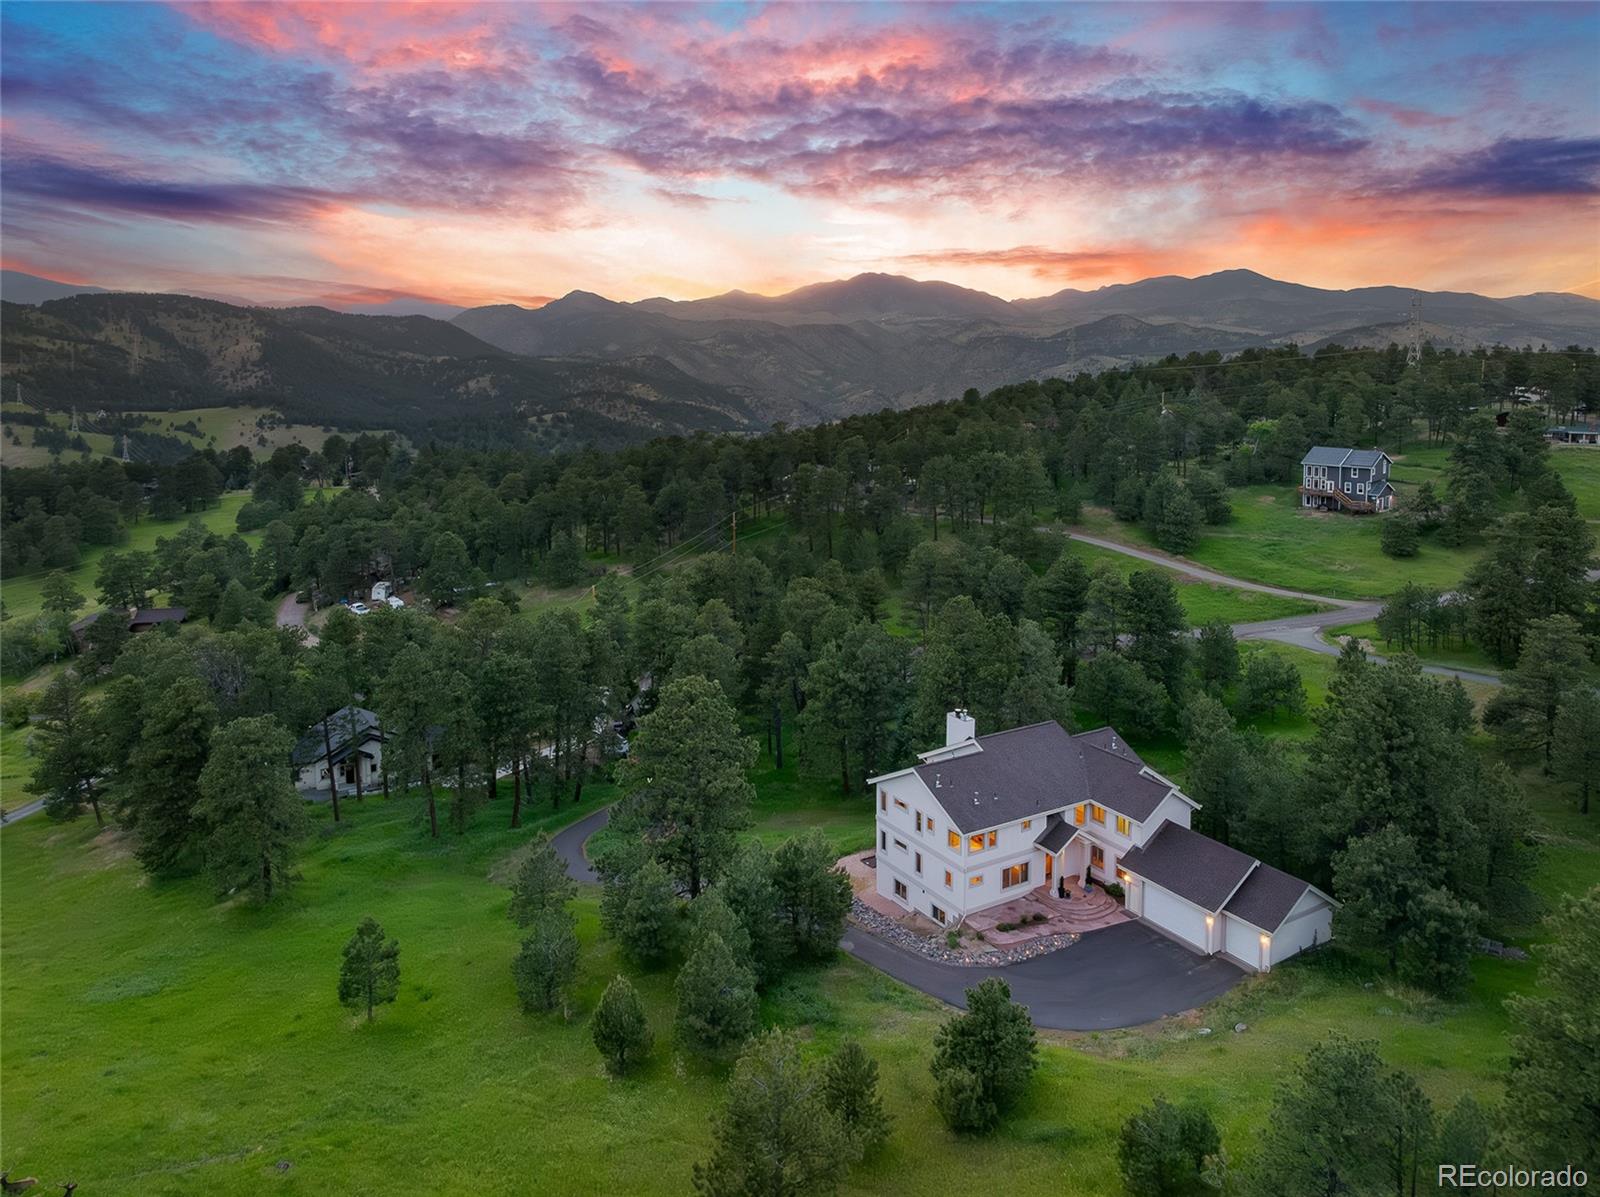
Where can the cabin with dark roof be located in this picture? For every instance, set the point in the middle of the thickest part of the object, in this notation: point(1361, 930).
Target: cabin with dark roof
point(983, 820)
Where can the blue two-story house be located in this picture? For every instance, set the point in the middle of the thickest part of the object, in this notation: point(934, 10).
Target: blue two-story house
point(1346, 479)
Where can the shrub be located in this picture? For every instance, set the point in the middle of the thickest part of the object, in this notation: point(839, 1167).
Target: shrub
point(984, 1058)
point(1114, 889)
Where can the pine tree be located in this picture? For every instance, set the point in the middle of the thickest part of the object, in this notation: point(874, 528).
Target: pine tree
point(541, 883)
point(983, 1059)
point(748, 890)
point(620, 1029)
point(253, 817)
point(72, 753)
point(710, 914)
point(776, 1137)
point(716, 999)
point(813, 895)
point(686, 785)
point(547, 961)
point(639, 909)
point(1163, 1150)
point(370, 974)
point(1217, 656)
point(1523, 713)
point(850, 1090)
point(1576, 752)
point(157, 793)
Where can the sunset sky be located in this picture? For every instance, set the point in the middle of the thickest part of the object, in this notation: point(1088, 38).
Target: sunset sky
point(485, 153)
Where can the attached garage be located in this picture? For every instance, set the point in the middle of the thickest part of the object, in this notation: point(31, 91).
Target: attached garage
point(1241, 941)
point(1292, 914)
point(1175, 916)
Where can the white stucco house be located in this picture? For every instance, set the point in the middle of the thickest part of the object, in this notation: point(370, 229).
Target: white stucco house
point(356, 740)
point(984, 819)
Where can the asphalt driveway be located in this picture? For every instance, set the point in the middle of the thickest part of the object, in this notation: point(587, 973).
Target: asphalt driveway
point(1120, 976)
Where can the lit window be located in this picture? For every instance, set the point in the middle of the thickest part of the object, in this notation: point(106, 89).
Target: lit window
point(1027, 823)
point(900, 889)
point(1097, 813)
point(930, 824)
point(975, 880)
point(954, 840)
point(938, 912)
point(1017, 874)
point(1077, 814)
point(994, 838)
point(949, 881)
point(975, 842)
point(1097, 855)
point(1122, 824)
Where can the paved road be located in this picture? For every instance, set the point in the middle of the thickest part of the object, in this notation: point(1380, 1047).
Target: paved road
point(292, 613)
point(1302, 631)
point(1120, 976)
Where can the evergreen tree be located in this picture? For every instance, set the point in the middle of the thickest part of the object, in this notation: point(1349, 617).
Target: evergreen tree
point(59, 597)
point(1116, 691)
point(370, 973)
point(1523, 712)
point(1375, 879)
point(639, 909)
point(687, 794)
point(1398, 536)
point(72, 753)
point(1057, 601)
point(158, 792)
point(1325, 1121)
point(541, 883)
point(984, 1058)
point(716, 999)
point(749, 892)
point(813, 895)
point(850, 1091)
point(620, 1029)
point(253, 817)
point(1271, 683)
point(1158, 632)
point(1217, 656)
point(776, 1137)
point(1576, 750)
point(1166, 1150)
point(547, 961)
point(709, 915)
point(1436, 946)
point(1555, 1085)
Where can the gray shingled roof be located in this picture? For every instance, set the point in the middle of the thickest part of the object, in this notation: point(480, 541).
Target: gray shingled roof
point(1191, 865)
point(1328, 455)
point(1057, 834)
point(312, 746)
point(1267, 897)
point(1030, 770)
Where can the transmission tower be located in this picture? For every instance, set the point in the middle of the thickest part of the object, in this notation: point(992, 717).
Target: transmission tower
point(1414, 333)
point(75, 427)
point(125, 456)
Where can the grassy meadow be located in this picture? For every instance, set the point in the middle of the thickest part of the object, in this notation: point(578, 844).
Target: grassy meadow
point(157, 1041)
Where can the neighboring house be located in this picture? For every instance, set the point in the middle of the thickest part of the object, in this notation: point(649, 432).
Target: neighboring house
point(357, 742)
point(985, 819)
point(1574, 434)
point(141, 620)
point(1349, 479)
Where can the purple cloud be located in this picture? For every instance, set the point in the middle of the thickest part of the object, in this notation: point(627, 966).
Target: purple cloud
point(1520, 166)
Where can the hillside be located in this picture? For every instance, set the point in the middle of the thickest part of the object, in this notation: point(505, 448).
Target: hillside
point(123, 352)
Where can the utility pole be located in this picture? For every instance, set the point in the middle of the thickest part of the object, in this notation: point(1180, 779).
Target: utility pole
point(1414, 333)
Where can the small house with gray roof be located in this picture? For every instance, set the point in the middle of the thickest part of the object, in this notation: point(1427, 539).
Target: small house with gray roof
point(1335, 479)
point(985, 819)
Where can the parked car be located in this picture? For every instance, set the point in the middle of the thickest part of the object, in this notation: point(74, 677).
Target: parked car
point(395, 602)
point(360, 609)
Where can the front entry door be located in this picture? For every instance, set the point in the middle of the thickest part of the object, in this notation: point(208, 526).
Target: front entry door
point(1049, 867)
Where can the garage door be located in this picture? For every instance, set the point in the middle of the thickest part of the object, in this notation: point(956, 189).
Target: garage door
point(1175, 916)
point(1242, 941)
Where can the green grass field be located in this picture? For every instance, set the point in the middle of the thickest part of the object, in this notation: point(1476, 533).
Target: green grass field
point(1203, 601)
point(1460, 656)
point(21, 594)
point(218, 1059)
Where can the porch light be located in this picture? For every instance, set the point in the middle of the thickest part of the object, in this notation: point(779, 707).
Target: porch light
point(1210, 918)
point(1266, 940)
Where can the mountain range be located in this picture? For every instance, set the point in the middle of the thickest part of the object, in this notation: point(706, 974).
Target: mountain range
point(587, 367)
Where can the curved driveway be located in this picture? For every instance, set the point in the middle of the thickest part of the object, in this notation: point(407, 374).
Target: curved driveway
point(1116, 977)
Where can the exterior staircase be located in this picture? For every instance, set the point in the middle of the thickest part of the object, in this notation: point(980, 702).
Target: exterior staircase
point(1347, 501)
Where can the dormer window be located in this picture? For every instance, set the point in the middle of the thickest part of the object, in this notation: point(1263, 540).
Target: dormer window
point(1097, 813)
point(1122, 825)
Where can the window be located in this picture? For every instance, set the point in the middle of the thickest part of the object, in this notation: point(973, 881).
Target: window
point(1027, 823)
point(974, 881)
point(883, 799)
point(900, 844)
point(1097, 813)
point(919, 820)
point(977, 843)
point(938, 913)
point(883, 840)
point(901, 805)
point(1122, 824)
point(949, 881)
point(1077, 814)
point(930, 824)
point(954, 840)
point(1097, 856)
point(900, 889)
point(919, 864)
point(1017, 874)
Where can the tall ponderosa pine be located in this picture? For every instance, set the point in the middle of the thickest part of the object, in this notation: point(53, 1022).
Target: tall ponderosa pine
point(687, 794)
point(408, 705)
point(254, 820)
point(72, 753)
point(160, 790)
point(1576, 757)
point(1523, 712)
point(370, 973)
point(813, 895)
